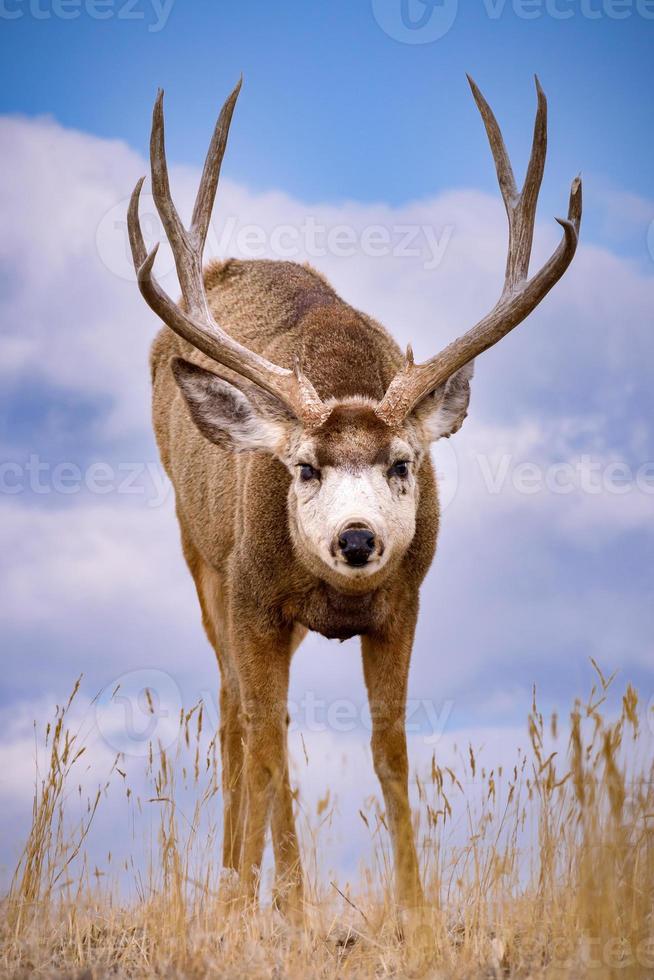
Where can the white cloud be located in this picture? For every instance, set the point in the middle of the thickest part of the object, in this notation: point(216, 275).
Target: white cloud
point(66, 565)
point(66, 319)
point(621, 213)
point(563, 471)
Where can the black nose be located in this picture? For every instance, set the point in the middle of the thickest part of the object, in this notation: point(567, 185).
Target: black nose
point(357, 545)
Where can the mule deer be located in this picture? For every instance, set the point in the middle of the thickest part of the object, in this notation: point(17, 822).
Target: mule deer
point(297, 440)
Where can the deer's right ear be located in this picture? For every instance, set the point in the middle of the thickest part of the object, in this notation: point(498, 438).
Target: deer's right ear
point(228, 416)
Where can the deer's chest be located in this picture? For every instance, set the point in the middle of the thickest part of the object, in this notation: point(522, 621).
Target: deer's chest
point(339, 616)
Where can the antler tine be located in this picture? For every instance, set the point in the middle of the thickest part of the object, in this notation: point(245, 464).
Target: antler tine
point(195, 323)
point(137, 245)
point(188, 257)
point(498, 148)
point(188, 246)
point(520, 206)
point(533, 179)
point(211, 171)
point(520, 295)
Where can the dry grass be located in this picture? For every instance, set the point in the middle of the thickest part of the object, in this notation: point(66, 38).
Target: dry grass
point(544, 871)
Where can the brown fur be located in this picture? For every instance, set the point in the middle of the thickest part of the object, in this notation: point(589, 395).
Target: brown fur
point(256, 594)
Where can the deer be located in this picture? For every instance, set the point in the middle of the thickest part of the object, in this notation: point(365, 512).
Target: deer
point(297, 436)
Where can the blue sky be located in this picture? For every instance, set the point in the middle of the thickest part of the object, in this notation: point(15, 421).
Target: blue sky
point(334, 108)
point(341, 121)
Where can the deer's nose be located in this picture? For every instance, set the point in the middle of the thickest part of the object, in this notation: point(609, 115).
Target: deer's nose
point(357, 544)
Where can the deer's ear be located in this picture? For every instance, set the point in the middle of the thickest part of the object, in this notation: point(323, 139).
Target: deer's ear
point(442, 411)
point(240, 419)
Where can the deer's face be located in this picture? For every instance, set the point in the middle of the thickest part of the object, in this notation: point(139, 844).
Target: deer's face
point(353, 495)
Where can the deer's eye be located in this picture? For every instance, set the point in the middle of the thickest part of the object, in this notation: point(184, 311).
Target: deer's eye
point(308, 472)
point(401, 469)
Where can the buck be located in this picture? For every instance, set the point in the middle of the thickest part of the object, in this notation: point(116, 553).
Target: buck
point(297, 438)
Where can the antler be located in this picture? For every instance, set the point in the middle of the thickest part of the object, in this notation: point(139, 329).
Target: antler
point(520, 295)
point(195, 322)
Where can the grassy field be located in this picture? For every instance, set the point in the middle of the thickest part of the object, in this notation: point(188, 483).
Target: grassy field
point(546, 870)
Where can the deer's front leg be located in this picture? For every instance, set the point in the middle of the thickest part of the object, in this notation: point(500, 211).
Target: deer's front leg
point(386, 666)
point(263, 673)
point(289, 886)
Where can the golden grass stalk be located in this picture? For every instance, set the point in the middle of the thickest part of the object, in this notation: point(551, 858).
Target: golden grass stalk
point(544, 870)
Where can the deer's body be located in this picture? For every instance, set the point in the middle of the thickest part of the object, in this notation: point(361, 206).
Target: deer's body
point(297, 440)
point(232, 508)
point(257, 598)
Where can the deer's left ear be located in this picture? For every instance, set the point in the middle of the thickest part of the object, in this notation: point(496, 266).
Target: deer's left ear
point(442, 411)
